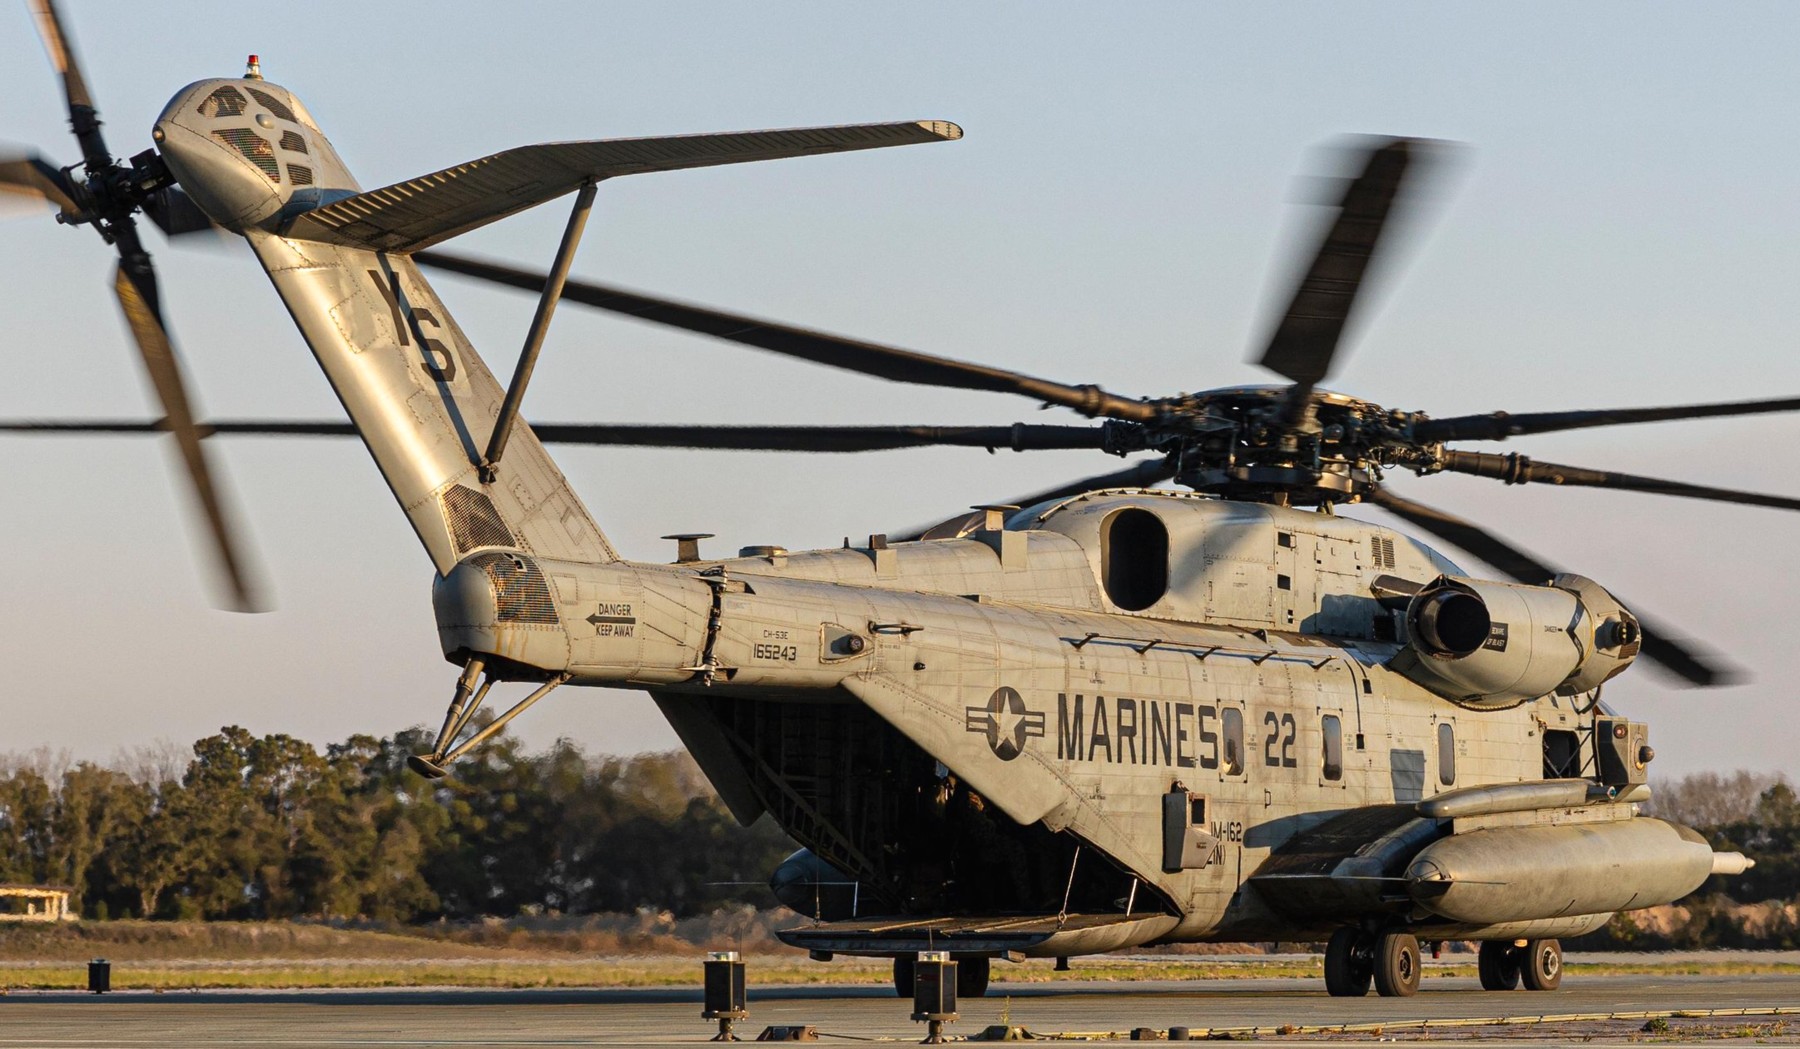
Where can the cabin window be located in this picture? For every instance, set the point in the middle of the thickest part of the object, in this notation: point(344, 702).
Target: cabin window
point(1334, 747)
point(1232, 719)
point(1134, 559)
point(1446, 753)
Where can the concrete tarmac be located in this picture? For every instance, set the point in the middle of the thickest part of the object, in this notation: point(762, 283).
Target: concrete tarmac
point(670, 1017)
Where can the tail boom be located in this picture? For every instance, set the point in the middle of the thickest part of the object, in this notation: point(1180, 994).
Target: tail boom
point(425, 404)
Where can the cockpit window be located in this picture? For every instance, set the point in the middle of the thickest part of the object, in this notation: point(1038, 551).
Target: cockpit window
point(293, 142)
point(255, 148)
point(228, 101)
point(1134, 558)
point(272, 104)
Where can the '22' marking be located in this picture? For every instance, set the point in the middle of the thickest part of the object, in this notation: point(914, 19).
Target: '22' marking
point(440, 364)
point(1286, 758)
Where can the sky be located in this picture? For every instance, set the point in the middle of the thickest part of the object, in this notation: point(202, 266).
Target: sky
point(1621, 229)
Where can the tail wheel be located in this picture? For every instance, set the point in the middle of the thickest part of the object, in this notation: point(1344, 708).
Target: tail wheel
point(1499, 965)
point(1397, 965)
point(903, 976)
point(972, 976)
point(1348, 968)
point(1542, 965)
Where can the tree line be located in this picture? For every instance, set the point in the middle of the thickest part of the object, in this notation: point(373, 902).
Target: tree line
point(249, 827)
point(269, 828)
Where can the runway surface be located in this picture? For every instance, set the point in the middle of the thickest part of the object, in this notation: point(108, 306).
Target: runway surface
point(668, 1017)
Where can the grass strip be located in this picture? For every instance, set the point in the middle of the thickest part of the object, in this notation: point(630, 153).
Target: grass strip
point(313, 974)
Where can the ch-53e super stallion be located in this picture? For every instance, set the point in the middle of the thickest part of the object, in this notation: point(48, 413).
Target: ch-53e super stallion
point(1108, 716)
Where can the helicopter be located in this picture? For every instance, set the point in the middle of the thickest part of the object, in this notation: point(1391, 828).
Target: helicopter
point(1096, 717)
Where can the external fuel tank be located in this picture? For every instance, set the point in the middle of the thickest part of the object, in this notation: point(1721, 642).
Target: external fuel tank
point(1507, 874)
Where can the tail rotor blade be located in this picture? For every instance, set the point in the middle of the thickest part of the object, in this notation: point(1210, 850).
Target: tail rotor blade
point(135, 286)
point(84, 119)
point(33, 176)
point(62, 53)
point(1671, 652)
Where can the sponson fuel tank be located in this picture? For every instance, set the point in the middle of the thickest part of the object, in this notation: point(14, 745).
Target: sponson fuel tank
point(1507, 874)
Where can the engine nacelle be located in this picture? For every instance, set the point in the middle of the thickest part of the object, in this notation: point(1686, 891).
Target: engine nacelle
point(1489, 644)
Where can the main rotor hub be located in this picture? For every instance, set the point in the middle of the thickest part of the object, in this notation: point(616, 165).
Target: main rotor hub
point(1282, 444)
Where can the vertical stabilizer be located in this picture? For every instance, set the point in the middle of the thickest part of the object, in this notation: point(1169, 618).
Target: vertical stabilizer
point(249, 155)
point(425, 404)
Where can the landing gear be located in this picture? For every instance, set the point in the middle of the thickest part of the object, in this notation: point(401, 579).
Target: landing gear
point(1397, 965)
point(1542, 968)
point(972, 976)
point(463, 704)
point(1349, 965)
point(904, 976)
point(1505, 963)
point(1498, 965)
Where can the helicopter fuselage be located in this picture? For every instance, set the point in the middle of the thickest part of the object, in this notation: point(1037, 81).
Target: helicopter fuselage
point(1126, 717)
point(1004, 675)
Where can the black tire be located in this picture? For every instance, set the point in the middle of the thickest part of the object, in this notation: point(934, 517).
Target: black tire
point(1499, 965)
point(1347, 968)
point(1542, 965)
point(903, 977)
point(972, 976)
point(1397, 965)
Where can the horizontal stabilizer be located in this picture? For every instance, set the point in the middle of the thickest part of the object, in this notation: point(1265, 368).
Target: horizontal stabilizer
point(423, 211)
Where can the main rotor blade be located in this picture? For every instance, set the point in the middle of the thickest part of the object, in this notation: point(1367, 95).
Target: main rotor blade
point(1138, 475)
point(136, 288)
point(1018, 437)
point(207, 429)
point(834, 351)
point(1685, 659)
point(1498, 426)
point(1306, 340)
point(84, 120)
point(1517, 469)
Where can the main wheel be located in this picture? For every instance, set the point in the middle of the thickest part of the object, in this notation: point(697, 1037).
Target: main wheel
point(1498, 965)
point(1542, 965)
point(903, 976)
point(1397, 965)
point(972, 976)
point(1347, 968)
